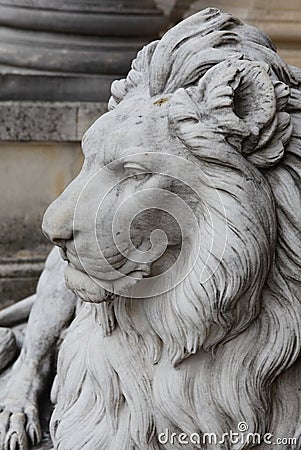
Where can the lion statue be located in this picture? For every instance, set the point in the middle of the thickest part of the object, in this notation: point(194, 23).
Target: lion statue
point(175, 299)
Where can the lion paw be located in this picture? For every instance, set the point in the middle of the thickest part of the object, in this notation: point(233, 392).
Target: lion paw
point(19, 427)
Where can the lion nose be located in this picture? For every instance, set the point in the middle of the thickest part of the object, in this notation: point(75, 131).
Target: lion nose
point(57, 222)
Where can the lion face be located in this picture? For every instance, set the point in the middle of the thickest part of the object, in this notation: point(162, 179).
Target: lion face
point(146, 205)
point(121, 219)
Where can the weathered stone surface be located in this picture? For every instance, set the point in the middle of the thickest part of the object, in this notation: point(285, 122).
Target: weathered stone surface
point(45, 413)
point(47, 121)
point(179, 259)
point(33, 171)
point(24, 84)
point(71, 50)
point(46, 443)
point(18, 277)
point(106, 18)
point(32, 174)
point(8, 347)
point(279, 20)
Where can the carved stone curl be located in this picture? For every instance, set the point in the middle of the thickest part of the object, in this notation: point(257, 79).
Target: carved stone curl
point(181, 240)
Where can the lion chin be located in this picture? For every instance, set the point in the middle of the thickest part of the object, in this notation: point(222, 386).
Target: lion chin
point(204, 355)
point(92, 290)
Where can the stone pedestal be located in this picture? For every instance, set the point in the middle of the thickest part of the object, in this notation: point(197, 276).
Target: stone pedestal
point(71, 50)
point(280, 20)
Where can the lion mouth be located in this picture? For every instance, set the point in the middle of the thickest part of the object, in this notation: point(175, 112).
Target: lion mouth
point(115, 262)
point(116, 275)
point(96, 290)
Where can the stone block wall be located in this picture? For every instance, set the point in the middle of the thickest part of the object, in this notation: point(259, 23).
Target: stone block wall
point(40, 153)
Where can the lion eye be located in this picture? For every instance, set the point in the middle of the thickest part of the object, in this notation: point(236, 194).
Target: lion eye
point(136, 171)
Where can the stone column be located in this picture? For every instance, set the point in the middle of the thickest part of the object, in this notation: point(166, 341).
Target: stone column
point(71, 49)
point(281, 20)
point(57, 61)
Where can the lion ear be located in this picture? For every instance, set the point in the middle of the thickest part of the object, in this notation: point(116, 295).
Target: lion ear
point(236, 101)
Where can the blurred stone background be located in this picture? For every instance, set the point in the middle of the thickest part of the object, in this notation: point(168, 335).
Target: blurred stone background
point(57, 61)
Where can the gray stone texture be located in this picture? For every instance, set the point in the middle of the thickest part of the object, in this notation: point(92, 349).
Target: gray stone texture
point(179, 258)
point(26, 121)
point(71, 50)
point(39, 154)
point(32, 174)
point(57, 62)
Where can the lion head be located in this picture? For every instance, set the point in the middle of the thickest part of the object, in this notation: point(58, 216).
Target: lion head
point(183, 240)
